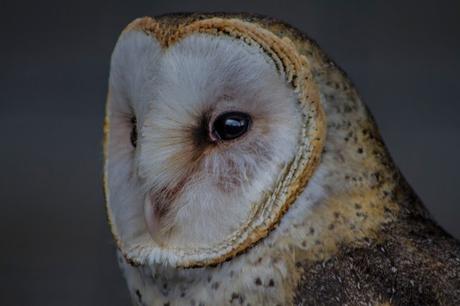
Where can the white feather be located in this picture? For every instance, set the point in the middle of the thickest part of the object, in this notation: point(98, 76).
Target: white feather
point(168, 92)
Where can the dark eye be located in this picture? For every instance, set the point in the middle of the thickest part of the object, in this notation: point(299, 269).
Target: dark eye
point(231, 125)
point(133, 136)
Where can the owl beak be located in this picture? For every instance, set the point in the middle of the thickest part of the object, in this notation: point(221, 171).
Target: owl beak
point(152, 218)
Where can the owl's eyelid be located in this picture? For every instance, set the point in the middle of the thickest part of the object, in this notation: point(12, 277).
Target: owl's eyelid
point(220, 109)
point(226, 97)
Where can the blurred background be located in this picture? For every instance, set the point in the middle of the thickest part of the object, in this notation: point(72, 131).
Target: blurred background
point(56, 249)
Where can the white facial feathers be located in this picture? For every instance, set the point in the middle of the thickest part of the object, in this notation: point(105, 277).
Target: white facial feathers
point(196, 192)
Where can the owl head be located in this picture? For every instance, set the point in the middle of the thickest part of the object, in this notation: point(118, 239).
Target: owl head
point(212, 130)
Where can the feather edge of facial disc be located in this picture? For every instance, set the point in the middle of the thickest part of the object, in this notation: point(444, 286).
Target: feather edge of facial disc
point(267, 213)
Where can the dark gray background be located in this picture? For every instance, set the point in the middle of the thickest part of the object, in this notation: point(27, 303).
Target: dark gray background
point(56, 248)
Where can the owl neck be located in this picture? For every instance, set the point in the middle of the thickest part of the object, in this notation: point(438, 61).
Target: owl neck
point(356, 189)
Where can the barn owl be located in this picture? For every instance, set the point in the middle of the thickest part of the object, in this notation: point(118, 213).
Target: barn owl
point(242, 168)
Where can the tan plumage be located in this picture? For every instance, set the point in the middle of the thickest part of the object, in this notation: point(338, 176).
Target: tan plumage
point(316, 214)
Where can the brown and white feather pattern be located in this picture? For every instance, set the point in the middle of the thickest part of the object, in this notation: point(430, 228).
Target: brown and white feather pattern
point(355, 235)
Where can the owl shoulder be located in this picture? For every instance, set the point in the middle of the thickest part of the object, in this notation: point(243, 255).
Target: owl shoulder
point(415, 262)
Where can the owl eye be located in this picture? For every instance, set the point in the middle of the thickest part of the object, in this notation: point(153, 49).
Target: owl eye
point(231, 125)
point(133, 135)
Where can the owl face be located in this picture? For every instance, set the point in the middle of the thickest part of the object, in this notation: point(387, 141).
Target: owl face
point(199, 132)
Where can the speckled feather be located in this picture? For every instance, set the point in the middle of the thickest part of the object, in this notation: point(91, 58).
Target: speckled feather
point(366, 240)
